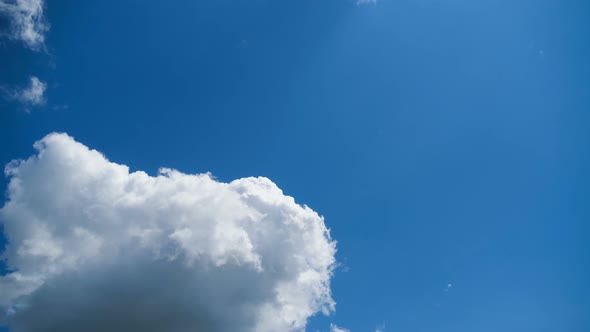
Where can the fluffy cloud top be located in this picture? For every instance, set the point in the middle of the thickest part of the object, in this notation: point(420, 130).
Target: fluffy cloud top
point(33, 94)
point(26, 21)
point(93, 247)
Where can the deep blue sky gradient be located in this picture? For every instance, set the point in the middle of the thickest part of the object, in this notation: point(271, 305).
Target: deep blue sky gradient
point(445, 142)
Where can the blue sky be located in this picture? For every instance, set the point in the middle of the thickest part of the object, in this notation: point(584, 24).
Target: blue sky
point(446, 143)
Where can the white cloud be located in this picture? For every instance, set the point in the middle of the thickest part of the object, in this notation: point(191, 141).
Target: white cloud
point(32, 95)
point(366, 2)
point(27, 23)
point(93, 247)
point(334, 328)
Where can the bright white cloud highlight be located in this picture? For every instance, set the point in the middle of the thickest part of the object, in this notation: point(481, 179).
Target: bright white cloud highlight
point(32, 95)
point(335, 328)
point(93, 247)
point(27, 23)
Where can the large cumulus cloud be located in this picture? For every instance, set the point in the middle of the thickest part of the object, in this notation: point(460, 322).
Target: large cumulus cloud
point(93, 247)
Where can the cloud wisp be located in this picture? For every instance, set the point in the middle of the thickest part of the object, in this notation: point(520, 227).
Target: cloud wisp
point(93, 247)
point(335, 328)
point(26, 22)
point(366, 2)
point(33, 94)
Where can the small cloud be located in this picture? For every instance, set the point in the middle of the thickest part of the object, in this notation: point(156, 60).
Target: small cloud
point(60, 107)
point(32, 95)
point(335, 328)
point(27, 23)
point(380, 328)
point(448, 288)
point(342, 266)
point(366, 2)
point(29, 96)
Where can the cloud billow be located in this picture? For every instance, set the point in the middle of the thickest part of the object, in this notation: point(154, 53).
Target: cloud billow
point(26, 20)
point(93, 247)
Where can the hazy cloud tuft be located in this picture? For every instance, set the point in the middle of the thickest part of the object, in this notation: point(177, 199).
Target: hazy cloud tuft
point(93, 247)
point(27, 23)
point(335, 328)
point(33, 94)
point(366, 2)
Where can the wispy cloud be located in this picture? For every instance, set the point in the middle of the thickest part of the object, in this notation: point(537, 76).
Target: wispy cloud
point(31, 95)
point(27, 22)
point(28, 96)
point(366, 2)
point(335, 328)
